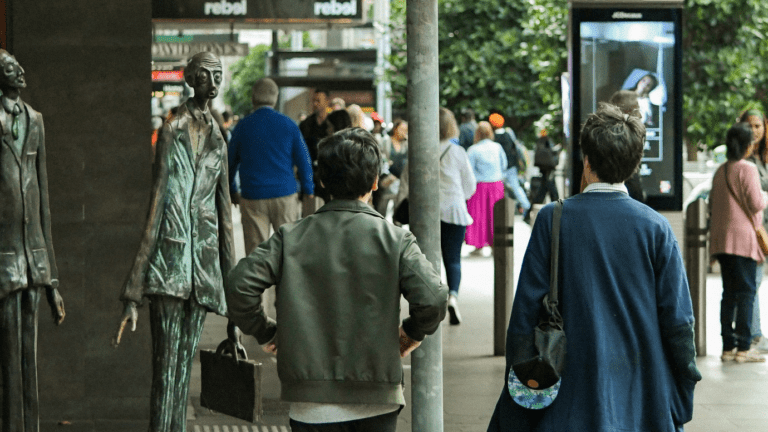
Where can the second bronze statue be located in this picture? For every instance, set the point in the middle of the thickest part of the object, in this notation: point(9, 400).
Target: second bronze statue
point(187, 248)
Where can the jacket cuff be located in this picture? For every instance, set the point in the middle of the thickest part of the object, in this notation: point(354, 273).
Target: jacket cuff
point(412, 331)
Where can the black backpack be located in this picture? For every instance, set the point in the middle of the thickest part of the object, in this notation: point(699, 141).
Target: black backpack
point(545, 157)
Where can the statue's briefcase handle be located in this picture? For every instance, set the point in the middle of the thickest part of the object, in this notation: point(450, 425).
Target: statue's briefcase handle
point(230, 385)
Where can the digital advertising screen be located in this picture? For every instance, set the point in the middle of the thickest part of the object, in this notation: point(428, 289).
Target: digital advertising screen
point(618, 51)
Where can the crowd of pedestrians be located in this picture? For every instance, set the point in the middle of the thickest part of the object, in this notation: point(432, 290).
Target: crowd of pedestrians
point(340, 270)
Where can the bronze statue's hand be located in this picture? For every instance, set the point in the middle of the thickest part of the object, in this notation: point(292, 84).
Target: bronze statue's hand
point(57, 305)
point(235, 335)
point(235, 198)
point(130, 314)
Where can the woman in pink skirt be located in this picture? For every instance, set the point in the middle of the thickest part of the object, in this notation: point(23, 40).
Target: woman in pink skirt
point(489, 162)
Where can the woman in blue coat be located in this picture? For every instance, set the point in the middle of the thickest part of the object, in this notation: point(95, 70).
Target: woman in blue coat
point(630, 362)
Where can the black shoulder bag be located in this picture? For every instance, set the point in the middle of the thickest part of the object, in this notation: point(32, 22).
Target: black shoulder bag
point(545, 367)
point(402, 211)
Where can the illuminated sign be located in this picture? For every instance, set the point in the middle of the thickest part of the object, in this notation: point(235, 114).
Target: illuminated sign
point(167, 76)
point(273, 11)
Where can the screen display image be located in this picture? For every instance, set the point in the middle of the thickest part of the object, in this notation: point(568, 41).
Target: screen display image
point(637, 57)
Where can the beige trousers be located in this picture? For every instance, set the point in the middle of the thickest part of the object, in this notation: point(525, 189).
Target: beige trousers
point(259, 215)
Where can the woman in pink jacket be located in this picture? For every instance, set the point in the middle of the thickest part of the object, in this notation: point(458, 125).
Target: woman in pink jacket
point(736, 204)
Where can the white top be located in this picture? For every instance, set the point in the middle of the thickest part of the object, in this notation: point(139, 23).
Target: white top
point(457, 184)
point(312, 413)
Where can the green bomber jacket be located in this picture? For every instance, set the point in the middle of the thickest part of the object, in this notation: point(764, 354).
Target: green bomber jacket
point(339, 275)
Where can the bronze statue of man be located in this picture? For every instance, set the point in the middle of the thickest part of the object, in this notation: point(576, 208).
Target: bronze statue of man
point(187, 248)
point(27, 264)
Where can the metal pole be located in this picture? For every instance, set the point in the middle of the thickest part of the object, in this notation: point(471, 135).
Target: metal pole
point(503, 271)
point(696, 268)
point(424, 175)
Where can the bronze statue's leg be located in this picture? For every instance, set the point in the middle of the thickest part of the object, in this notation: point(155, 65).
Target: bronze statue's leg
point(10, 358)
point(165, 318)
point(191, 328)
point(29, 301)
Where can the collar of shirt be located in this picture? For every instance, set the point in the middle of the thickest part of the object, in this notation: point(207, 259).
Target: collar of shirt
point(606, 187)
point(8, 104)
point(197, 113)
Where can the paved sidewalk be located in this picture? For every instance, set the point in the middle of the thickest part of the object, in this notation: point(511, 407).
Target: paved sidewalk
point(731, 397)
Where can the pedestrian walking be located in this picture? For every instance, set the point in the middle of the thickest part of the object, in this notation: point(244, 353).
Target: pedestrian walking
point(457, 185)
point(546, 158)
point(759, 157)
point(736, 204)
point(506, 138)
point(467, 128)
point(339, 274)
point(265, 148)
point(630, 358)
point(488, 162)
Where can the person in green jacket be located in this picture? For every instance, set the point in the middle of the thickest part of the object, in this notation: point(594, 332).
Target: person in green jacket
point(339, 275)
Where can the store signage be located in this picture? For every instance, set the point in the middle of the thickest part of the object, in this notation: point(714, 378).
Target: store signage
point(183, 50)
point(167, 75)
point(335, 8)
point(273, 11)
point(226, 8)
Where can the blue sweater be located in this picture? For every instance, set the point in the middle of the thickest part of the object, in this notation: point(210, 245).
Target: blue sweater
point(630, 362)
point(265, 147)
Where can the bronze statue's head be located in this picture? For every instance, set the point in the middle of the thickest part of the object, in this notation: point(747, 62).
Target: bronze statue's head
point(12, 75)
point(204, 74)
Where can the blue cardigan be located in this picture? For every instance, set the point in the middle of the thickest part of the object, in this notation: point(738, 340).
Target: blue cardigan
point(631, 360)
point(264, 148)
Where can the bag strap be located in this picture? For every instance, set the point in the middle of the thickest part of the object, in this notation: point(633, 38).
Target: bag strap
point(446, 150)
point(728, 183)
point(555, 255)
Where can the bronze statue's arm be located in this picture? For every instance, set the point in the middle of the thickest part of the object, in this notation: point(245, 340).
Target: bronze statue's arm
point(133, 289)
point(227, 241)
point(52, 294)
point(224, 213)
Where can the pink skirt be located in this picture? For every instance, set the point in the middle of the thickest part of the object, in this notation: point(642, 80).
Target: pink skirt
point(480, 207)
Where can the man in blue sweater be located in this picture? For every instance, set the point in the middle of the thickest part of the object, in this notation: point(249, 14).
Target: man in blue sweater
point(265, 147)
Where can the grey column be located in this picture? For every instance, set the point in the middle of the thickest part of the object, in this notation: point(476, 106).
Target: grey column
point(424, 175)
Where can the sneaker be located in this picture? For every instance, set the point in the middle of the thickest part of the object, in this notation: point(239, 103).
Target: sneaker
point(453, 310)
point(761, 345)
point(728, 355)
point(750, 356)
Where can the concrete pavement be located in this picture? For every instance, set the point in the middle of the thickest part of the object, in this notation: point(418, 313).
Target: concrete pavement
point(731, 397)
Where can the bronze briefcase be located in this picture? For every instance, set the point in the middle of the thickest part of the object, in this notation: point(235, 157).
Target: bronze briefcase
point(230, 385)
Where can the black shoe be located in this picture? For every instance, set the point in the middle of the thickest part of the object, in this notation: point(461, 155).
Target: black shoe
point(453, 311)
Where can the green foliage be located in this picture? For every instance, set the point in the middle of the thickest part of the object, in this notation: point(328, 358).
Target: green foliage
point(245, 73)
point(249, 69)
point(725, 57)
point(494, 55)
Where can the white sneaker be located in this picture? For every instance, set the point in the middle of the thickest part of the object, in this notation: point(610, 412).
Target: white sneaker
point(761, 345)
point(453, 310)
point(750, 356)
point(728, 355)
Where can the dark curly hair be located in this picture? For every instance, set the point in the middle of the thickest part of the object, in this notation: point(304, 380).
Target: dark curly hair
point(348, 163)
point(737, 141)
point(613, 142)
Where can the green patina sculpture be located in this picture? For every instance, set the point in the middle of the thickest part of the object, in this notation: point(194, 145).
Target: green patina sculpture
point(187, 248)
point(27, 263)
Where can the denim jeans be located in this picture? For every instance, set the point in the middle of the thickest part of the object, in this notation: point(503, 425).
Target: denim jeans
point(739, 288)
point(451, 239)
point(511, 181)
point(755, 329)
